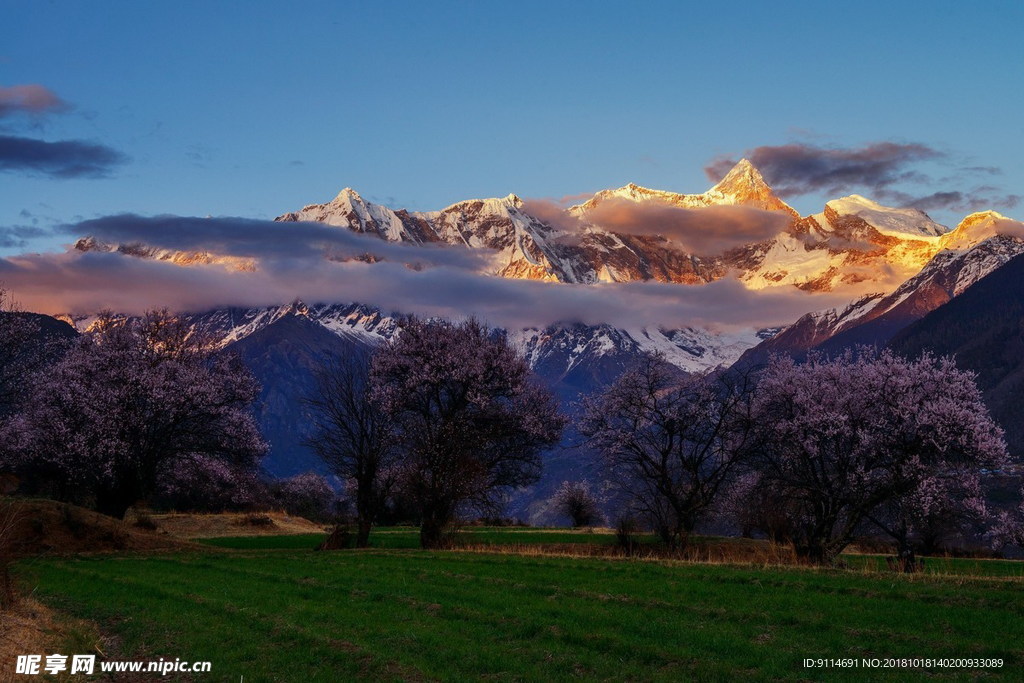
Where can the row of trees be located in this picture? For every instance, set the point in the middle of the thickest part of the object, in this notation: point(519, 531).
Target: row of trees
point(817, 451)
point(446, 417)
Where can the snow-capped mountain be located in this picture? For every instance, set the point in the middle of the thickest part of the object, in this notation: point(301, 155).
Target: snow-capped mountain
point(520, 240)
point(899, 223)
point(852, 242)
point(555, 352)
point(979, 245)
point(742, 186)
point(180, 258)
point(854, 246)
point(353, 322)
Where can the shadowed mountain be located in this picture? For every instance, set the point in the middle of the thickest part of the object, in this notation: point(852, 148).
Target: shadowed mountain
point(29, 342)
point(50, 328)
point(983, 329)
point(284, 356)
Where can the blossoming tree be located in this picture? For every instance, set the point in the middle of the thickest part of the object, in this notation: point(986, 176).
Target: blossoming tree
point(669, 443)
point(868, 435)
point(470, 420)
point(130, 402)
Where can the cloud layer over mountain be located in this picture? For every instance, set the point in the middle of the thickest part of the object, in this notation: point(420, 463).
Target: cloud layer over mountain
point(295, 261)
point(706, 230)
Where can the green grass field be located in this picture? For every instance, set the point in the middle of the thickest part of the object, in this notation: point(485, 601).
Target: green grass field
point(524, 537)
point(393, 614)
point(409, 537)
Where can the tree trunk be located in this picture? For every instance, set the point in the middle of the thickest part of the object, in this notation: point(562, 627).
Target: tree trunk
point(813, 553)
point(906, 560)
point(113, 503)
point(363, 532)
point(366, 511)
point(930, 543)
point(432, 534)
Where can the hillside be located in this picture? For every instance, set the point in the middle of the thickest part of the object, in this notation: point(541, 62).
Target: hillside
point(983, 328)
point(284, 357)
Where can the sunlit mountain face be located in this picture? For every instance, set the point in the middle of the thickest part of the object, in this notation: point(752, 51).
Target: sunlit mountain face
point(739, 227)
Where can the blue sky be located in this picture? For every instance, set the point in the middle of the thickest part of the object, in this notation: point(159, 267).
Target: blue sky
point(255, 108)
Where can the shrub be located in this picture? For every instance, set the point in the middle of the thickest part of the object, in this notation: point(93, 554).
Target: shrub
point(306, 495)
point(575, 501)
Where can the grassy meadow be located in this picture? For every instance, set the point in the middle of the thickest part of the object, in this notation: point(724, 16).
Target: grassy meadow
point(271, 609)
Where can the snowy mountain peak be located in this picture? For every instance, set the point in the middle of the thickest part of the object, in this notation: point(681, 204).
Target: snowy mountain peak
point(348, 194)
point(743, 178)
point(978, 227)
point(743, 185)
point(297, 307)
point(895, 222)
point(979, 216)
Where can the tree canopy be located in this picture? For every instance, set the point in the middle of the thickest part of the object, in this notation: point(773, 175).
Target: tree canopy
point(128, 403)
point(468, 415)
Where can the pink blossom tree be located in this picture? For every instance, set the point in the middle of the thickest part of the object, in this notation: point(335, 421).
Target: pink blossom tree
point(845, 437)
point(942, 502)
point(758, 506)
point(306, 495)
point(1006, 526)
point(205, 483)
point(670, 443)
point(470, 420)
point(129, 403)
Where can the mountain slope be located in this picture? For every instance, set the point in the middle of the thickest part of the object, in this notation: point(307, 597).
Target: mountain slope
point(983, 329)
point(285, 356)
point(972, 251)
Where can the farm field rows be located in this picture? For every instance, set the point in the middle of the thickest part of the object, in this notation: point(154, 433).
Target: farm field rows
point(396, 614)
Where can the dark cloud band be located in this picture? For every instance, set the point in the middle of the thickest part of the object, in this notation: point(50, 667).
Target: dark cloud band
point(290, 263)
point(798, 169)
point(269, 240)
point(706, 231)
point(63, 159)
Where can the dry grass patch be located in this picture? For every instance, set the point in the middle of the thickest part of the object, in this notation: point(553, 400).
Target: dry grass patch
point(195, 525)
point(32, 628)
point(46, 527)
